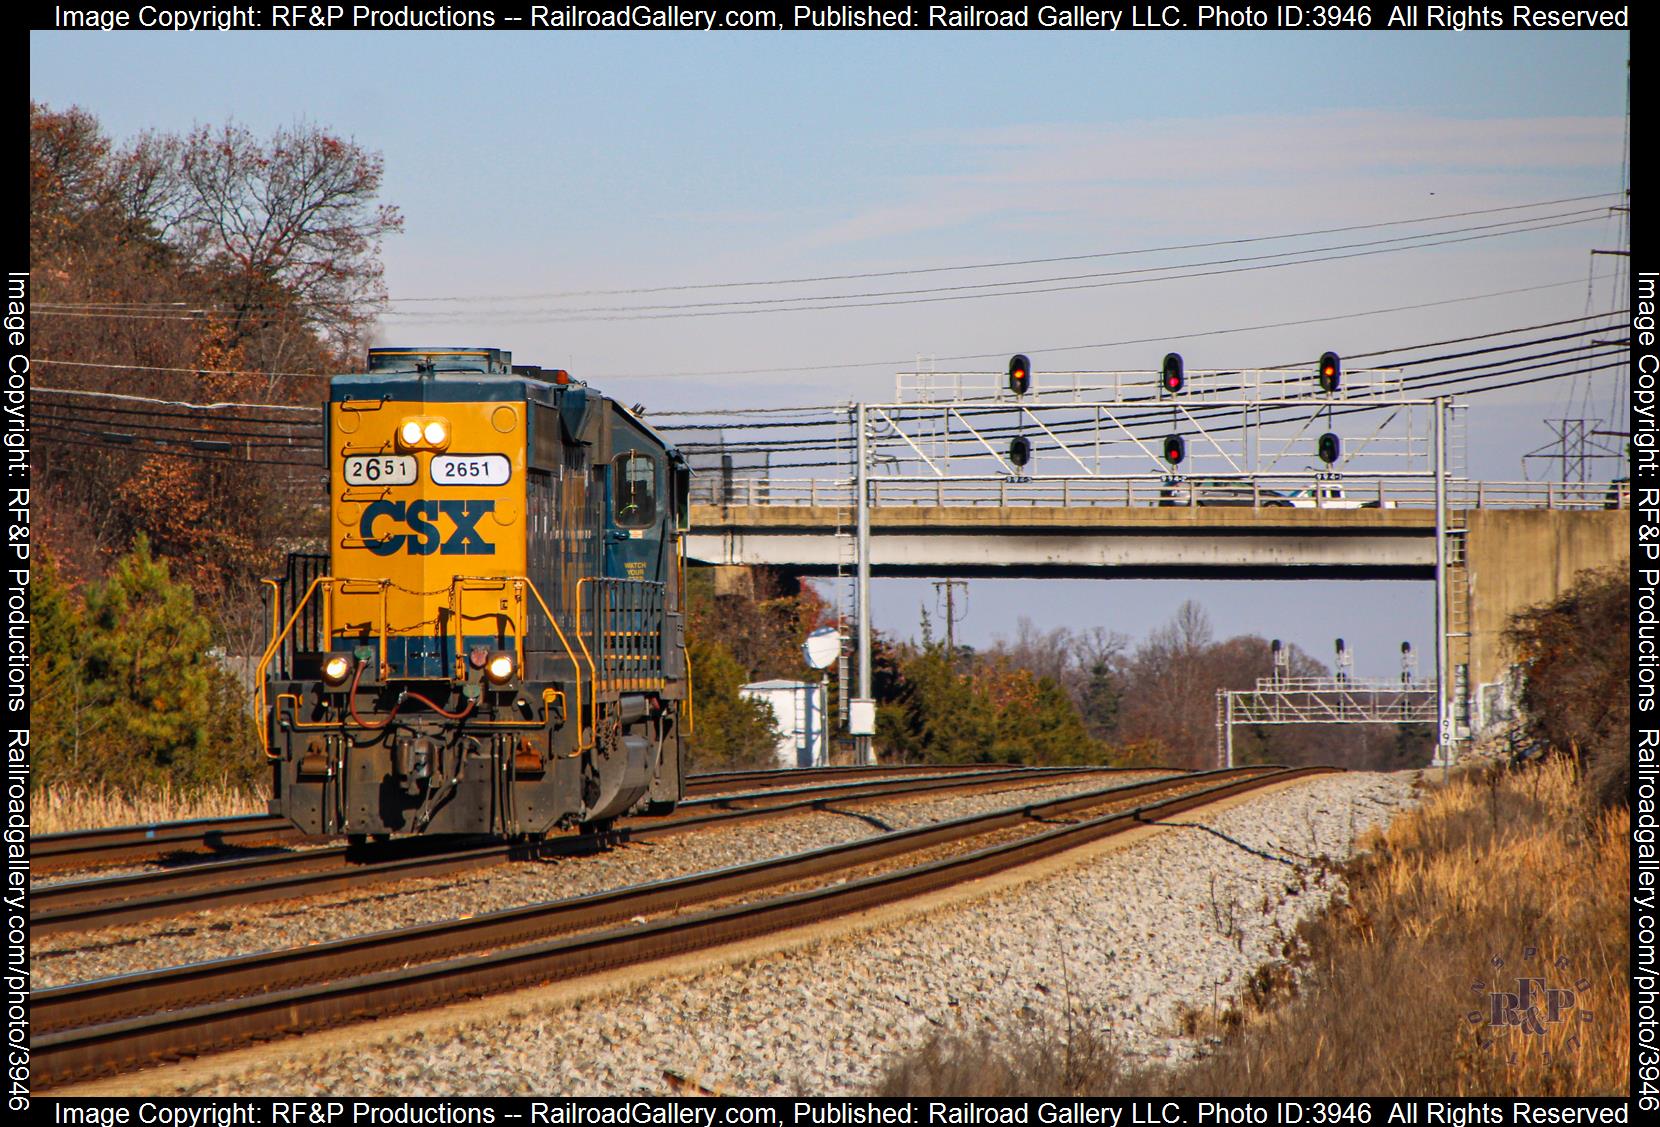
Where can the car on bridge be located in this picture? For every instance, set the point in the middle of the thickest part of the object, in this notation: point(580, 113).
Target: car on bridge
point(1221, 491)
point(1329, 495)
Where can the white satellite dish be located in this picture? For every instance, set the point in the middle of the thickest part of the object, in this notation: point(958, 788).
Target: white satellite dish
point(822, 647)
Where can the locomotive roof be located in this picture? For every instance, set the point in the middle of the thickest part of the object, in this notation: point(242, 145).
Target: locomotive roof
point(477, 387)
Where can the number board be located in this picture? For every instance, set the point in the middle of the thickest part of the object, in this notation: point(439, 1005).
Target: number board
point(380, 469)
point(471, 469)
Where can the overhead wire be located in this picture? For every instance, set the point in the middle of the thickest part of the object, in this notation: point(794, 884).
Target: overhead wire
point(848, 301)
point(907, 271)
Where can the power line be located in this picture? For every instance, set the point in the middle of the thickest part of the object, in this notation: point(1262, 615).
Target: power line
point(1160, 339)
point(36, 389)
point(920, 270)
point(847, 301)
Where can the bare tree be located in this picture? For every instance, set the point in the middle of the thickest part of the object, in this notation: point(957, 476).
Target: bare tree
point(293, 218)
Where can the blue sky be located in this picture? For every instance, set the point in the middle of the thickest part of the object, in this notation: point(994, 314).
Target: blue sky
point(529, 163)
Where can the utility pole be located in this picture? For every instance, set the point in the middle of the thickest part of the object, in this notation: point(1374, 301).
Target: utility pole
point(861, 492)
point(950, 586)
point(1443, 712)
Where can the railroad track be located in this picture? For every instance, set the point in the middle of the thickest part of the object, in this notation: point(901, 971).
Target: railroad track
point(119, 1024)
point(84, 905)
point(115, 845)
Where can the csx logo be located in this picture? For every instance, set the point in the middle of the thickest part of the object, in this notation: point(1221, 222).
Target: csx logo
point(421, 519)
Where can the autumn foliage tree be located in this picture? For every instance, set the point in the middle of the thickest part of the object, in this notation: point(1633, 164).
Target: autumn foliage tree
point(1574, 654)
point(215, 266)
point(737, 637)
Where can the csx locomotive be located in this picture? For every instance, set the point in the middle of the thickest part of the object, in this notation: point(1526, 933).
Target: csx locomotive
point(494, 642)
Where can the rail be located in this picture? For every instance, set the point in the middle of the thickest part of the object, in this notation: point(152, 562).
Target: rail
point(116, 1024)
point(1348, 492)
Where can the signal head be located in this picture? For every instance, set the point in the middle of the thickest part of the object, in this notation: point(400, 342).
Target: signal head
point(1329, 448)
point(1020, 450)
point(1020, 374)
point(1175, 449)
point(1174, 373)
point(1331, 372)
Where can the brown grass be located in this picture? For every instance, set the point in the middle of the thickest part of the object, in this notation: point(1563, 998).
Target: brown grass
point(54, 809)
point(1521, 867)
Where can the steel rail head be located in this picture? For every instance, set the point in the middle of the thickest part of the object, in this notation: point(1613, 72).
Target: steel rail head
point(122, 1044)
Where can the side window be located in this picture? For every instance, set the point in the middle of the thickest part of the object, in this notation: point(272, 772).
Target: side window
point(634, 489)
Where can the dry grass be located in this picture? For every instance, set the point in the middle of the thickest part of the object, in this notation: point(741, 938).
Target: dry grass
point(1393, 998)
point(55, 809)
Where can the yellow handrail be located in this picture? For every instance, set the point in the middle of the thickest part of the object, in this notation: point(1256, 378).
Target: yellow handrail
point(593, 677)
point(265, 663)
point(520, 584)
point(276, 603)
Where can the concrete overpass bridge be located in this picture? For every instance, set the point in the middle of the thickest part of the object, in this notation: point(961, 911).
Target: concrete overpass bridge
point(1238, 474)
point(1509, 545)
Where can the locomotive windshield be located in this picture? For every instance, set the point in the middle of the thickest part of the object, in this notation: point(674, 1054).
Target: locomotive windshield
point(634, 477)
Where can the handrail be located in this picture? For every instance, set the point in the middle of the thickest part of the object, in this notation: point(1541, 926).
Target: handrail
point(601, 634)
point(331, 581)
point(1266, 490)
point(265, 663)
point(276, 604)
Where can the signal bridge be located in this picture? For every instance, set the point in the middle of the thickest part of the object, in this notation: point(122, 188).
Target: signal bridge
point(1233, 474)
point(1321, 700)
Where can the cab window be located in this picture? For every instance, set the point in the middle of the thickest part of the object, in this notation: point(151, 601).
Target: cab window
point(634, 489)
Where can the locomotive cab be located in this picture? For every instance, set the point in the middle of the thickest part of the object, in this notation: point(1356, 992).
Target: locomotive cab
point(494, 641)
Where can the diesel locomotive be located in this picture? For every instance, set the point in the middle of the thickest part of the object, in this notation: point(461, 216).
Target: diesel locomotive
point(494, 642)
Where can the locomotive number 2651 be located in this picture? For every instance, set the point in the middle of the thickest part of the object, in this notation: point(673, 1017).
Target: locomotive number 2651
point(380, 469)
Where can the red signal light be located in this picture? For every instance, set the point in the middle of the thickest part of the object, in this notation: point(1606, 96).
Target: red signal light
point(1331, 372)
point(1020, 374)
point(1174, 372)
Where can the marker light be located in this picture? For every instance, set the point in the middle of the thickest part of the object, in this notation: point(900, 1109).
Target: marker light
point(436, 432)
point(500, 667)
point(336, 668)
point(411, 432)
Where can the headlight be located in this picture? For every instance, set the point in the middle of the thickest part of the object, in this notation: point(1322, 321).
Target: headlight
point(424, 432)
point(336, 668)
point(499, 668)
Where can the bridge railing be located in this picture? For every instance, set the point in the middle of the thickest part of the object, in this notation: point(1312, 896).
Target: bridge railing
point(1143, 491)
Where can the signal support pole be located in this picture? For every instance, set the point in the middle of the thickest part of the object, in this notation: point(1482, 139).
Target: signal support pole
point(861, 493)
point(1443, 714)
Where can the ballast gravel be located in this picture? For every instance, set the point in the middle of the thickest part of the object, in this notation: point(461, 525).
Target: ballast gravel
point(237, 930)
point(1129, 941)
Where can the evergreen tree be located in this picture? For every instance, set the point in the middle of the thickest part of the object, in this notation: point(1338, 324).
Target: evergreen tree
point(728, 730)
point(58, 702)
point(158, 695)
point(1101, 696)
